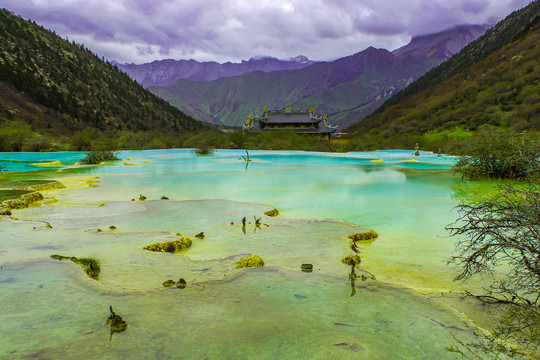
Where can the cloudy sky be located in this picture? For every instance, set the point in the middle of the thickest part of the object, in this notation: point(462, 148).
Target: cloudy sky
point(231, 30)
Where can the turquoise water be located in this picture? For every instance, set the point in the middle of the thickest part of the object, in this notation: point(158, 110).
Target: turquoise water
point(272, 312)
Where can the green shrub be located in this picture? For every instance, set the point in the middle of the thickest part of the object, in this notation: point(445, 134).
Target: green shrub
point(98, 156)
point(501, 154)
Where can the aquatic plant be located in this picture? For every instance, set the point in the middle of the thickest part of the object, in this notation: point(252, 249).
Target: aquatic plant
point(171, 246)
point(98, 156)
point(364, 236)
point(204, 150)
point(249, 261)
point(116, 322)
point(353, 260)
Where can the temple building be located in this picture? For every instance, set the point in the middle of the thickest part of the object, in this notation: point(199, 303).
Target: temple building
point(303, 122)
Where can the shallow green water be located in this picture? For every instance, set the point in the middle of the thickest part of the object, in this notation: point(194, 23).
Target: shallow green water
point(260, 313)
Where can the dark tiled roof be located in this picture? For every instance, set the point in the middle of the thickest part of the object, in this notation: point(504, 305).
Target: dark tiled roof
point(287, 118)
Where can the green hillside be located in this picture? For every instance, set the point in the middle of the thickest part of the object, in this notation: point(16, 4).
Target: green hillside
point(493, 40)
point(502, 90)
point(58, 86)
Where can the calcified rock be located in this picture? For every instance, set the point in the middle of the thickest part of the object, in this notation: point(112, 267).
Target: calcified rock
point(250, 261)
point(272, 213)
point(365, 236)
point(171, 246)
point(25, 201)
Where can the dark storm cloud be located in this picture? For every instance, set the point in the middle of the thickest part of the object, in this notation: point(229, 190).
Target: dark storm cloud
point(221, 30)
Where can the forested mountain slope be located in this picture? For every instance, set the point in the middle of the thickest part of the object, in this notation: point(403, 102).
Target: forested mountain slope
point(503, 90)
point(61, 86)
point(493, 40)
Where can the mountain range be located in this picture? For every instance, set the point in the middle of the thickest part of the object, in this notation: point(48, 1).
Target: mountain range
point(166, 72)
point(359, 82)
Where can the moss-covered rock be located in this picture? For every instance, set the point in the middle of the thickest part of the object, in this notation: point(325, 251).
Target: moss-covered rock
point(352, 260)
point(171, 246)
point(307, 267)
point(169, 283)
point(272, 213)
point(181, 284)
point(90, 265)
point(116, 322)
point(250, 261)
point(365, 236)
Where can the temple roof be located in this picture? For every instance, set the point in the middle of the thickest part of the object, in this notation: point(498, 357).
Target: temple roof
point(289, 117)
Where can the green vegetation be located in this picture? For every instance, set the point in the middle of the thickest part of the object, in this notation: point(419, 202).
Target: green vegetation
point(501, 154)
point(171, 246)
point(90, 265)
point(513, 27)
point(58, 87)
point(98, 156)
point(501, 90)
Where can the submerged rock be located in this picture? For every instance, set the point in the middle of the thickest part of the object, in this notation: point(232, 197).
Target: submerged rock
point(200, 235)
point(164, 198)
point(116, 322)
point(250, 261)
point(112, 227)
point(365, 236)
point(353, 260)
point(307, 267)
point(169, 283)
point(171, 246)
point(90, 265)
point(272, 213)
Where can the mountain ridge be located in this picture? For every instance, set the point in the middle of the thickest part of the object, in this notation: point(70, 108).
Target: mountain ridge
point(166, 72)
point(60, 86)
point(367, 77)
